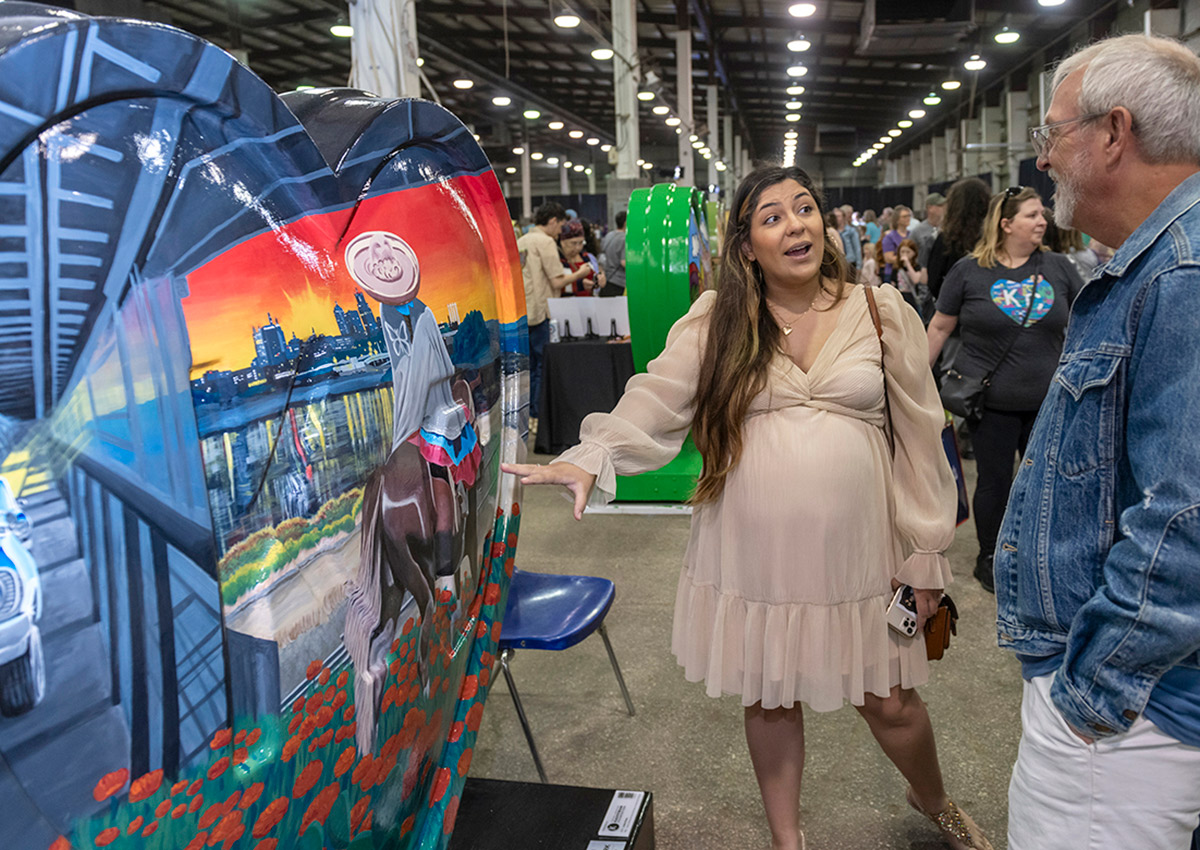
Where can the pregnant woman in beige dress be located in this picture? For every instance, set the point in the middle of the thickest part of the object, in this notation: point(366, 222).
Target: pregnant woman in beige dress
point(803, 520)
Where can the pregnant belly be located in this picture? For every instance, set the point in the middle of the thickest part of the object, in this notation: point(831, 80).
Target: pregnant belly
point(808, 503)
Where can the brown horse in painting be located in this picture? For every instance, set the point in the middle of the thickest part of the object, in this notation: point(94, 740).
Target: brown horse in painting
point(412, 532)
point(397, 554)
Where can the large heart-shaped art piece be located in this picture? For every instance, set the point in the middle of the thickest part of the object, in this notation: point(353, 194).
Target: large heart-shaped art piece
point(230, 453)
point(1012, 297)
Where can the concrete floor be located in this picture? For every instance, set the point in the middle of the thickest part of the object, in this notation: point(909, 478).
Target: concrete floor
point(689, 749)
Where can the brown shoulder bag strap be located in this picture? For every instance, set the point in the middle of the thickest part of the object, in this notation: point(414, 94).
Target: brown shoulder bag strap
point(869, 291)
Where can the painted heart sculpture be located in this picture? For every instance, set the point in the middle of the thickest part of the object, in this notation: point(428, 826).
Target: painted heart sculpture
point(208, 418)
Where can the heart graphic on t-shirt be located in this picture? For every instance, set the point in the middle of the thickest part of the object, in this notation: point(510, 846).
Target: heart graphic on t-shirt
point(1012, 297)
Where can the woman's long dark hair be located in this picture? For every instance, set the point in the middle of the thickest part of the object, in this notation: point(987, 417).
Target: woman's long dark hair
point(743, 336)
point(966, 208)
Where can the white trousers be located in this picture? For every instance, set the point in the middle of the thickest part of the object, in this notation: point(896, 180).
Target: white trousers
point(1135, 791)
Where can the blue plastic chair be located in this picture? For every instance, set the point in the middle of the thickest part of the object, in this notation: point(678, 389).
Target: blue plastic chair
point(551, 611)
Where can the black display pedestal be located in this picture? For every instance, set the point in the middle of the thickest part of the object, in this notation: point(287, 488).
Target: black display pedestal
point(499, 815)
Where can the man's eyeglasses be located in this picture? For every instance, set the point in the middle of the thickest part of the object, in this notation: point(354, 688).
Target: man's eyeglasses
point(1041, 136)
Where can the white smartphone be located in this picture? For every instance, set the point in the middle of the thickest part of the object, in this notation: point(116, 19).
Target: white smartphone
point(902, 611)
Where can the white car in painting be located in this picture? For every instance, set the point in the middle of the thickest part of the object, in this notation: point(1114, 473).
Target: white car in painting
point(22, 666)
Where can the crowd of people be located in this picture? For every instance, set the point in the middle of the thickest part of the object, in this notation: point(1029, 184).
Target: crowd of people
point(559, 260)
point(824, 491)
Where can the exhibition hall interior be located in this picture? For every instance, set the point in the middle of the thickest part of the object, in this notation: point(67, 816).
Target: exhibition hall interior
point(300, 300)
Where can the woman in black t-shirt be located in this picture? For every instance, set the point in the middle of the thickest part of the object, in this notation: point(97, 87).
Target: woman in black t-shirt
point(1008, 291)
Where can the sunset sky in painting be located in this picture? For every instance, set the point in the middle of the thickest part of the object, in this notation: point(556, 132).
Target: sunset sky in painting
point(452, 226)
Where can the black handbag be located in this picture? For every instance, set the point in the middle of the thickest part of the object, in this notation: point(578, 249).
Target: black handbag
point(964, 395)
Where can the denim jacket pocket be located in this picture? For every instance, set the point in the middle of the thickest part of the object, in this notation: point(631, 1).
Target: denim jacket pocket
point(1088, 409)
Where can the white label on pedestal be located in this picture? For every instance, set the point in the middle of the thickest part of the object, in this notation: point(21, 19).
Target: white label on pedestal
point(606, 845)
point(621, 814)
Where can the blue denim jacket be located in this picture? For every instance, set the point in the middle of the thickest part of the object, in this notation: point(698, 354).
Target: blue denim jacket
point(1098, 557)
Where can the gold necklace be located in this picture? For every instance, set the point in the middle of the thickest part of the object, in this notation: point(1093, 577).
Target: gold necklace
point(787, 326)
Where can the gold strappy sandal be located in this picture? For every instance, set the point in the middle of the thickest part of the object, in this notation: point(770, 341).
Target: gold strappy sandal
point(956, 826)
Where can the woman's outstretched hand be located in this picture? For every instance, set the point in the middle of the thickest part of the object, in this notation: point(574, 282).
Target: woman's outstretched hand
point(569, 475)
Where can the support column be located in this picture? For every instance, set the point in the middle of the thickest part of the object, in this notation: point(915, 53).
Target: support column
point(727, 154)
point(713, 139)
point(626, 72)
point(384, 47)
point(1016, 120)
point(940, 169)
point(954, 165)
point(592, 181)
point(735, 164)
point(564, 179)
point(683, 85)
point(526, 186)
point(991, 135)
point(627, 175)
point(890, 172)
point(969, 134)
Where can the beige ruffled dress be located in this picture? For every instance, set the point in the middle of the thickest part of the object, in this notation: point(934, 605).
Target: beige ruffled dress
point(787, 577)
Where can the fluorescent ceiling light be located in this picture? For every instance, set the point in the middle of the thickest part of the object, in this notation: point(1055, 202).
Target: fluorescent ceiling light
point(673, 122)
point(536, 155)
point(802, 10)
point(1007, 36)
point(661, 109)
point(951, 85)
point(603, 54)
point(799, 45)
point(904, 125)
point(463, 84)
point(576, 134)
point(931, 99)
point(797, 71)
point(975, 63)
point(592, 140)
point(511, 169)
point(795, 90)
point(567, 20)
point(606, 147)
point(792, 117)
point(916, 113)
point(645, 95)
point(793, 104)
point(342, 30)
point(894, 133)
point(532, 114)
point(555, 125)
point(518, 150)
point(501, 100)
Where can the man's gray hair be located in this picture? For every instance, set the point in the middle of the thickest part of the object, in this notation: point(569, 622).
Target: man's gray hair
point(1156, 79)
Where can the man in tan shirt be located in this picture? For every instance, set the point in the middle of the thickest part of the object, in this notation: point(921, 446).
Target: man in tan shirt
point(545, 277)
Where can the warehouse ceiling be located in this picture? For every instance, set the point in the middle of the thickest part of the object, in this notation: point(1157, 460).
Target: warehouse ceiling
point(867, 66)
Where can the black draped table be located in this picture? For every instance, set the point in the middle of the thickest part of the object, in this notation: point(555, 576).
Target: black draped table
point(578, 378)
